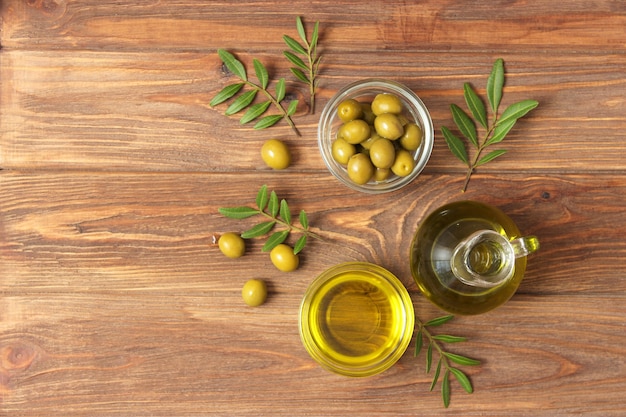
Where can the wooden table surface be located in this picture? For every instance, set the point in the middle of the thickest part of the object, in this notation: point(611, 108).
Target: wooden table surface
point(114, 299)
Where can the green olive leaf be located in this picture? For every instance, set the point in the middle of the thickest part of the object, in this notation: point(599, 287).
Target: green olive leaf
point(516, 111)
point(500, 131)
point(255, 111)
point(315, 35)
point(446, 338)
point(445, 388)
point(439, 321)
point(241, 102)
point(294, 45)
point(268, 121)
point(274, 240)
point(475, 104)
point(226, 93)
point(261, 73)
point(490, 157)
point(300, 75)
point(463, 379)
point(280, 90)
point(237, 212)
point(464, 123)
point(273, 205)
point(455, 144)
point(419, 342)
point(461, 360)
point(429, 357)
point(436, 376)
point(285, 213)
point(300, 244)
point(495, 84)
point(304, 220)
point(262, 198)
point(233, 64)
point(300, 29)
point(295, 60)
point(258, 230)
point(293, 106)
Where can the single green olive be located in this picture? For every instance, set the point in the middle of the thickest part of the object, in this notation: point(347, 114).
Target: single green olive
point(386, 103)
point(412, 137)
point(381, 174)
point(254, 292)
point(382, 153)
point(349, 109)
point(355, 131)
point(367, 143)
point(284, 259)
point(388, 126)
point(232, 245)
point(403, 164)
point(368, 114)
point(360, 168)
point(342, 151)
point(275, 154)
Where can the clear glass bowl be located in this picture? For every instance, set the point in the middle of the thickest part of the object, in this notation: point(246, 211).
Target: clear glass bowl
point(365, 91)
point(356, 319)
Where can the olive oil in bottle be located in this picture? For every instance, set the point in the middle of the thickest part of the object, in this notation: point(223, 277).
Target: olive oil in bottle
point(468, 285)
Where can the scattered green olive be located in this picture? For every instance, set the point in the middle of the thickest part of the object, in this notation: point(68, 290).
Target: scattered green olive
point(232, 245)
point(284, 259)
point(276, 154)
point(254, 292)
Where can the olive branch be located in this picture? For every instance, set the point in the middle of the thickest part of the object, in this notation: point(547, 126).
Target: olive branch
point(245, 99)
point(277, 212)
point(495, 131)
point(308, 48)
point(446, 359)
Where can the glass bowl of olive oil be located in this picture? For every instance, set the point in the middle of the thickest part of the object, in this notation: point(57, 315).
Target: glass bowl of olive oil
point(356, 319)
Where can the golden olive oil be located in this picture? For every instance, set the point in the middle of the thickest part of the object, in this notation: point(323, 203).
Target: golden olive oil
point(357, 322)
point(432, 249)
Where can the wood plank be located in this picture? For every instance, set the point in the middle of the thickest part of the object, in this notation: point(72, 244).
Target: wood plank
point(201, 351)
point(135, 231)
point(149, 111)
point(565, 27)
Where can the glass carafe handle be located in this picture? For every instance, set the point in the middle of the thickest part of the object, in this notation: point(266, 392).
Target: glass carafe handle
point(487, 259)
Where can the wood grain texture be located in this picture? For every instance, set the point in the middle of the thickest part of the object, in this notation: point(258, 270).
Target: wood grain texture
point(114, 299)
point(72, 109)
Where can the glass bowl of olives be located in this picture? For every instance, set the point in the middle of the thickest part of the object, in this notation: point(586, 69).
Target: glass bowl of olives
point(375, 135)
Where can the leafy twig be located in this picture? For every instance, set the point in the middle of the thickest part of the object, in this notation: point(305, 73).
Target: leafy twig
point(446, 359)
point(278, 213)
point(245, 99)
point(309, 50)
point(494, 131)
